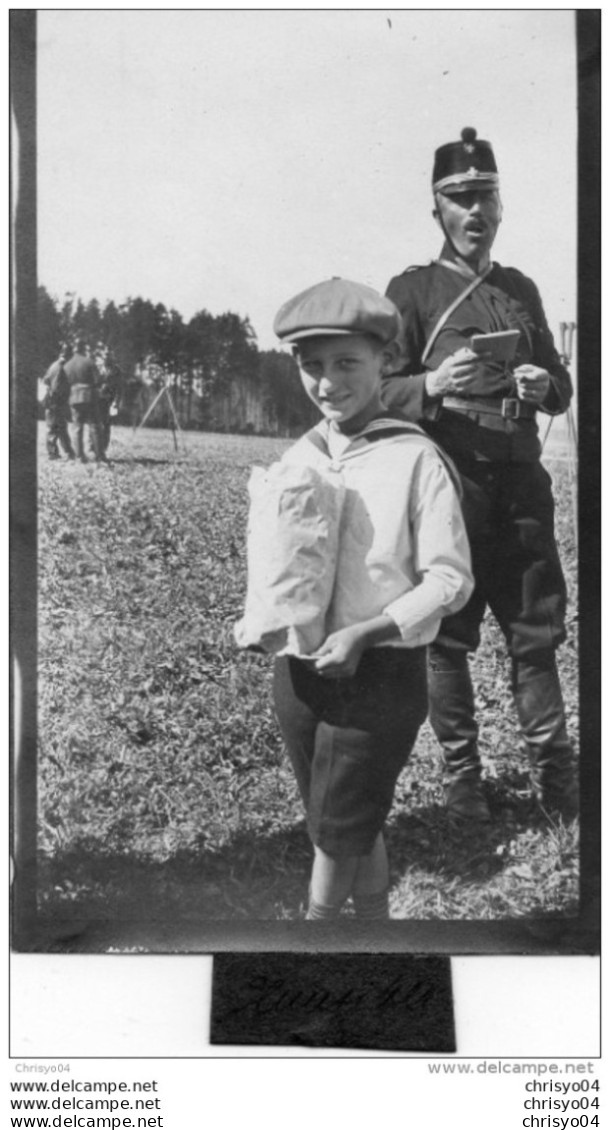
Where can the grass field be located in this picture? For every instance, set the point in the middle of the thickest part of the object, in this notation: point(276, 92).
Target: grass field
point(163, 788)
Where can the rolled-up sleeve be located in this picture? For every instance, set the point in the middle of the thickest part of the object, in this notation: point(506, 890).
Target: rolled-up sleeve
point(441, 555)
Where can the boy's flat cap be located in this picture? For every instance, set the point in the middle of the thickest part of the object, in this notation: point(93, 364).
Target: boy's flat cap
point(337, 306)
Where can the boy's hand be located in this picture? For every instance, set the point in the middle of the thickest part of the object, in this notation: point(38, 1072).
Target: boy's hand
point(340, 653)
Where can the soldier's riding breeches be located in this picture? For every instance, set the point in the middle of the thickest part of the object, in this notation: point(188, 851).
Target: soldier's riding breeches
point(509, 513)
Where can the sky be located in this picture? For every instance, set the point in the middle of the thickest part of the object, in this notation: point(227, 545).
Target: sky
point(227, 159)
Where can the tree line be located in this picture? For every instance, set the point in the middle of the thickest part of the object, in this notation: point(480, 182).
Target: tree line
point(218, 377)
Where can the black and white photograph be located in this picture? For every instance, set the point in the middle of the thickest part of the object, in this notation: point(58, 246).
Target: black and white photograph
point(297, 379)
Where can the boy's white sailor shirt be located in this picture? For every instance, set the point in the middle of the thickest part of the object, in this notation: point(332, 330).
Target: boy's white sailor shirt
point(403, 548)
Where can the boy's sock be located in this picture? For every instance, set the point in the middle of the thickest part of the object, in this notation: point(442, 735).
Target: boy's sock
point(372, 906)
point(331, 882)
point(318, 912)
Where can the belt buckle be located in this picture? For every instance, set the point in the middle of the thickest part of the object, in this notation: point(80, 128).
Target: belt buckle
point(511, 408)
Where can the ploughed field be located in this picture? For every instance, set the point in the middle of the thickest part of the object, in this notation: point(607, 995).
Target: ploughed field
point(163, 787)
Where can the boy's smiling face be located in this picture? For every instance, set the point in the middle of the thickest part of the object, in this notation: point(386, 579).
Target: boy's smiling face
point(342, 375)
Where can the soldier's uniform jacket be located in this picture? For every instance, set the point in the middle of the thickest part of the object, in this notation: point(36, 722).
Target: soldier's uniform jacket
point(476, 427)
point(82, 374)
point(108, 382)
point(58, 392)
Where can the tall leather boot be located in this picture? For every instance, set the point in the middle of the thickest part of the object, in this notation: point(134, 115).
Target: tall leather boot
point(452, 717)
point(539, 703)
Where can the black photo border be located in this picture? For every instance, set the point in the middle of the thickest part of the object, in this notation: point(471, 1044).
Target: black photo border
point(579, 935)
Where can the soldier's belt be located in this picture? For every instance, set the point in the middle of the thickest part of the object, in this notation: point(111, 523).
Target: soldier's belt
point(81, 394)
point(509, 408)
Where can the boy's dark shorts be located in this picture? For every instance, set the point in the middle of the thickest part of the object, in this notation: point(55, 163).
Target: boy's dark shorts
point(349, 739)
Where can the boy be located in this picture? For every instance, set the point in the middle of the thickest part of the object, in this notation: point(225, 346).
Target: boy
point(350, 713)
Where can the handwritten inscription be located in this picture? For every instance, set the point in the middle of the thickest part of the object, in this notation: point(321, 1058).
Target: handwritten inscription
point(269, 993)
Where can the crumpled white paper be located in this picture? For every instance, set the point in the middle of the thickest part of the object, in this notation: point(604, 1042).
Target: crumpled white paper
point(292, 544)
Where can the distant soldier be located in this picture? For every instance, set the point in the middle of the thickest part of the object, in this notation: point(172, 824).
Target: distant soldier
point(132, 398)
point(57, 409)
point(108, 389)
point(83, 376)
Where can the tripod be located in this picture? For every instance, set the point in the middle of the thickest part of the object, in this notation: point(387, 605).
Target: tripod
point(175, 425)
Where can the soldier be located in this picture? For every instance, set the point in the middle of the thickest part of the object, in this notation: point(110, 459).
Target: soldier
point(56, 406)
point(483, 413)
point(82, 375)
point(108, 388)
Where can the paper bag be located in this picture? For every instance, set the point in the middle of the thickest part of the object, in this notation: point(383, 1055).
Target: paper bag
point(292, 542)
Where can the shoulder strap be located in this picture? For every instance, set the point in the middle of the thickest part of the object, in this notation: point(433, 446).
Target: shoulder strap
point(449, 311)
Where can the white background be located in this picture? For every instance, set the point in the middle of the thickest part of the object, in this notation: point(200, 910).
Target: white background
point(78, 1005)
point(228, 159)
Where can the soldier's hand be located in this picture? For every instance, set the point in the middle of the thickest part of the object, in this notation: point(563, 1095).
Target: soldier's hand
point(464, 373)
point(532, 383)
